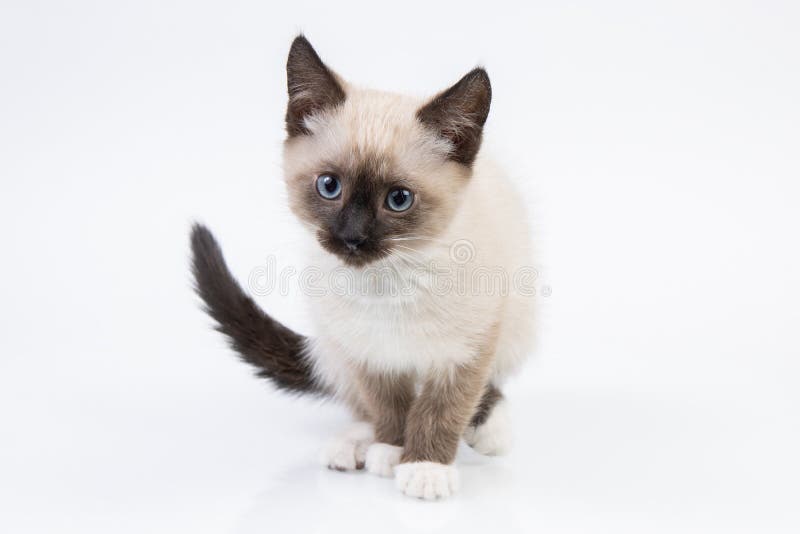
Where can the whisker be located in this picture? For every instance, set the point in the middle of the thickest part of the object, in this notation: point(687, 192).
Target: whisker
point(416, 254)
point(419, 238)
point(410, 257)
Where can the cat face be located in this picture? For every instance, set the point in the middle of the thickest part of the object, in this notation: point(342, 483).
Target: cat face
point(368, 171)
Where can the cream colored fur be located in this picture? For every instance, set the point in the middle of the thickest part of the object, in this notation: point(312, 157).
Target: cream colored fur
point(478, 225)
point(428, 330)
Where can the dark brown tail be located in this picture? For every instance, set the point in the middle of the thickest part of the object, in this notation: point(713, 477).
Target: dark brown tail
point(277, 352)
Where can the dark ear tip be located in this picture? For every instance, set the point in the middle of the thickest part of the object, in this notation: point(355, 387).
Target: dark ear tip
point(300, 40)
point(301, 47)
point(479, 74)
point(300, 53)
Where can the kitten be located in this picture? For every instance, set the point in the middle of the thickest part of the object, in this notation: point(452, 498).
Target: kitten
point(393, 184)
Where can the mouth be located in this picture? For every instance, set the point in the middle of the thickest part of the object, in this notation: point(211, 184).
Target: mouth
point(359, 257)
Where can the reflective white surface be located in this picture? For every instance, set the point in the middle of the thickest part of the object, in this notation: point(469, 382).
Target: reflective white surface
point(584, 461)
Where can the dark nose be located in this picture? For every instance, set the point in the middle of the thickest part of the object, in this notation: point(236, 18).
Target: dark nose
point(353, 242)
point(353, 223)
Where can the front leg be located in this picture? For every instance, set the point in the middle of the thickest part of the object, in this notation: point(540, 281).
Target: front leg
point(380, 402)
point(435, 423)
point(387, 397)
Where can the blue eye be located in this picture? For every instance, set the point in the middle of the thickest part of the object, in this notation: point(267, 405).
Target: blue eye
point(399, 199)
point(329, 186)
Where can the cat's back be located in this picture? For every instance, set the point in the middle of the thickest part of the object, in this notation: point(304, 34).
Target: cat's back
point(494, 219)
point(495, 222)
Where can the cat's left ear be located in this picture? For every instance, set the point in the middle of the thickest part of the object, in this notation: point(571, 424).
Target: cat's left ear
point(312, 86)
point(459, 113)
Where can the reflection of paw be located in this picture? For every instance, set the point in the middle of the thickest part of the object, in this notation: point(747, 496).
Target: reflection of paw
point(382, 457)
point(426, 480)
point(348, 451)
point(494, 435)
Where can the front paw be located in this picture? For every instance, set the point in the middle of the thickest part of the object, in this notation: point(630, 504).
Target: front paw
point(426, 480)
point(348, 451)
point(382, 458)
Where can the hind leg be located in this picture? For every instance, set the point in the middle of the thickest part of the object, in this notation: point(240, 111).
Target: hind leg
point(489, 431)
point(348, 450)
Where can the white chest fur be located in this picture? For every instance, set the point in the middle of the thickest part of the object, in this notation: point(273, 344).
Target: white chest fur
point(406, 324)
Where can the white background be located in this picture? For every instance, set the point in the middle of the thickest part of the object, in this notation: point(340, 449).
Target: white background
point(656, 144)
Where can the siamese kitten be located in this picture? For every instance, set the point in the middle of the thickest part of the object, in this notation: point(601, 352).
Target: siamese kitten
point(393, 184)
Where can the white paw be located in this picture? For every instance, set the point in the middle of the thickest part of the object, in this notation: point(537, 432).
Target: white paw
point(382, 457)
point(494, 436)
point(426, 480)
point(348, 451)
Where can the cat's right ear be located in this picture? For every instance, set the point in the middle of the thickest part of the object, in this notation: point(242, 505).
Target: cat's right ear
point(312, 86)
